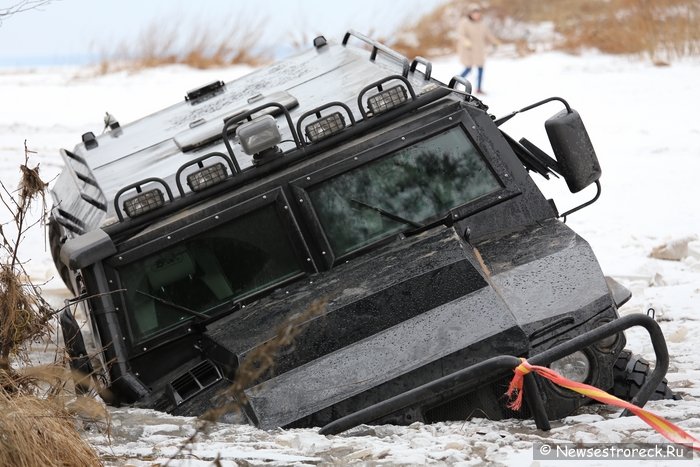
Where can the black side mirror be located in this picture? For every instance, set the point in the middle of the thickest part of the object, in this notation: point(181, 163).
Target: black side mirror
point(573, 150)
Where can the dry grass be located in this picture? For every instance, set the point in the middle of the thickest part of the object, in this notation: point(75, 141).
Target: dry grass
point(661, 30)
point(39, 432)
point(658, 29)
point(22, 315)
point(36, 425)
point(431, 35)
point(204, 46)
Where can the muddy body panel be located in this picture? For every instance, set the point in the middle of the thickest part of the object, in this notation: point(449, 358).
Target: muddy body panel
point(416, 311)
point(387, 196)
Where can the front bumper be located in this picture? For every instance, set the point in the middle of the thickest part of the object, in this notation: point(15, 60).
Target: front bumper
point(468, 379)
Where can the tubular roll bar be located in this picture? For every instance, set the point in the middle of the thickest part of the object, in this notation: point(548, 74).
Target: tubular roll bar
point(378, 47)
point(468, 378)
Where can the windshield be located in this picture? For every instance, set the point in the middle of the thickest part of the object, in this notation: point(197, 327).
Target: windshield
point(402, 190)
point(239, 258)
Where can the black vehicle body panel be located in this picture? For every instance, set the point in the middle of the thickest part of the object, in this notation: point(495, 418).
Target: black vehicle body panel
point(502, 276)
point(433, 303)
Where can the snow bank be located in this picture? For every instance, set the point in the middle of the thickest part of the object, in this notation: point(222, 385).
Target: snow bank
point(641, 120)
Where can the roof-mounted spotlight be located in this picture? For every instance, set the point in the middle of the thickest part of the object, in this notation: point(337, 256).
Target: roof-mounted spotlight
point(201, 177)
point(259, 134)
point(144, 202)
point(325, 127)
point(387, 100)
point(207, 177)
point(259, 138)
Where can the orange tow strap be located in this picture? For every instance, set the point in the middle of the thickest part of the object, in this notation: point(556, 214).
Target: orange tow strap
point(660, 424)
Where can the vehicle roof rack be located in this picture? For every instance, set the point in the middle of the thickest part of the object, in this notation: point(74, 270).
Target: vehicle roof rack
point(377, 48)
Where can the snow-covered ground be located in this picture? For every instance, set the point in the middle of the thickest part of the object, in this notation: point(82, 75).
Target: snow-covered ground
point(641, 120)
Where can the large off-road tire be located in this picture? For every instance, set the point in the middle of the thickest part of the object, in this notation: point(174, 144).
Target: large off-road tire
point(630, 372)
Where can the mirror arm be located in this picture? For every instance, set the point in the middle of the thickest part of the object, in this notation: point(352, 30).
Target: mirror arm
point(587, 203)
point(500, 121)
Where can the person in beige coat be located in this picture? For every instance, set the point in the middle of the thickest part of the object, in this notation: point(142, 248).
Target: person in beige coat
point(472, 39)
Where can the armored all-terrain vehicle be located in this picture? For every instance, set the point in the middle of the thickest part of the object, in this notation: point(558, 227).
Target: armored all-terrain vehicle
point(346, 174)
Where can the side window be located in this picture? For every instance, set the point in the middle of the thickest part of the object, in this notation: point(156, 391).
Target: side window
point(234, 260)
point(404, 189)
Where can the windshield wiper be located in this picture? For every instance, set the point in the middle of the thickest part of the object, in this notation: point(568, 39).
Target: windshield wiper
point(447, 221)
point(388, 215)
point(196, 314)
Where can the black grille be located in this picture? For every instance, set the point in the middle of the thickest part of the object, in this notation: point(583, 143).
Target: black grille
point(193, 382)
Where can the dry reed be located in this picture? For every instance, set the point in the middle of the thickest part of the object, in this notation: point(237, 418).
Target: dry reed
point(661, 30)
point(34, 430)
point(37, 432)
point(234, 42)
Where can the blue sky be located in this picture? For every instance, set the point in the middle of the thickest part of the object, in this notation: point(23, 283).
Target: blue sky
point(69, 30)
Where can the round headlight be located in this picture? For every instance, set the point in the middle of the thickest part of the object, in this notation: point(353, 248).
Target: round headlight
point(575, 367)
point(607, 343)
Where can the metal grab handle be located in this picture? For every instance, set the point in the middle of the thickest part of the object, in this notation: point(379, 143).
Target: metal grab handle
point(378, 47)
point(423, 61)
point(460, 80)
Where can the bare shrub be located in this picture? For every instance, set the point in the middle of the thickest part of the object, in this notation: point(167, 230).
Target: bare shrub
point(20, 6)
point(654, 28)
point(33, 430)
point(234, 42)
point(24, 314)
point(659, 29)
